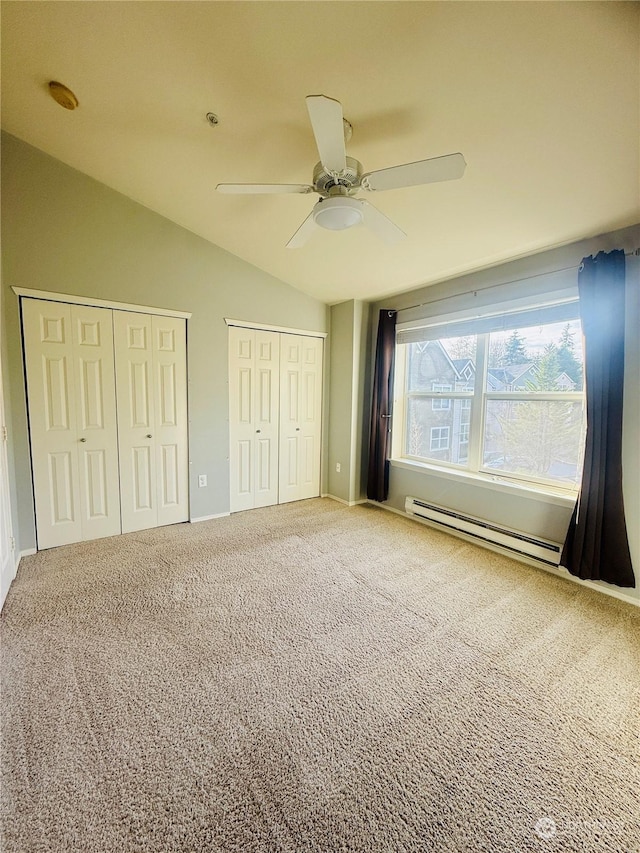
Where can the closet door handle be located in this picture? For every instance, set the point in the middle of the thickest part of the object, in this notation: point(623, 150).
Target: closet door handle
point(258, 430)
point(83, 439)
point(149, 435)
point(297, 429)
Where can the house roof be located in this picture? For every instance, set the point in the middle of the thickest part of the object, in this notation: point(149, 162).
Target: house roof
point(506, 84)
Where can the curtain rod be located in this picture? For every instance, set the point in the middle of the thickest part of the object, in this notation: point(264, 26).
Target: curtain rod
point(634, 252)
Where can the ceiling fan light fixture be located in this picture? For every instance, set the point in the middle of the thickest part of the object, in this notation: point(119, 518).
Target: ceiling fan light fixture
point(337, 214)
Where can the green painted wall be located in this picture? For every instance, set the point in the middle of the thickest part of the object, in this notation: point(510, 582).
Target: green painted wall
point(522, 277)
point(349, 369)
point(65, 232)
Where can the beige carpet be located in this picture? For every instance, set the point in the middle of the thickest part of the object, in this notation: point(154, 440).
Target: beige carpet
point(314, 678)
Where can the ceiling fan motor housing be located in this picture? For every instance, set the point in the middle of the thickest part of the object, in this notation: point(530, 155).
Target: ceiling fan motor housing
point(349, 180)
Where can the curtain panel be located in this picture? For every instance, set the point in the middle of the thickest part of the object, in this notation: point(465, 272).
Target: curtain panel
point(381, 404)
point(596, 547)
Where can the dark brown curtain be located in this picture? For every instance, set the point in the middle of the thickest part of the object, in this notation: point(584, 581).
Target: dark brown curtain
point(378, 479)
point(597, 547)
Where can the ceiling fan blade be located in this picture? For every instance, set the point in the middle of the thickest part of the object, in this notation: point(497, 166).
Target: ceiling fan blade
point(303, 233)
point(328, 129)
point(446, 168)
point(380, 224)
point(254, 189)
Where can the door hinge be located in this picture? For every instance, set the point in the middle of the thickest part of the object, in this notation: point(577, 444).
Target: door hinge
point(4, 433)
point(12, 543)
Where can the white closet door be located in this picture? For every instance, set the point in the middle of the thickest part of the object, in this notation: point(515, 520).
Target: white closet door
point(69, 360)
point(136, 419)
point(300, 417)
point(169, 343)
point(92, 334)
point(254, 410)
point(150, 363)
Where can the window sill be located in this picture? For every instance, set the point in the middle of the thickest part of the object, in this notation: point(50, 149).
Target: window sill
point(486, 481)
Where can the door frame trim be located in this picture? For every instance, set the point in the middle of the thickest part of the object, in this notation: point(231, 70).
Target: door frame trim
point(99, 303)
point(265, 327)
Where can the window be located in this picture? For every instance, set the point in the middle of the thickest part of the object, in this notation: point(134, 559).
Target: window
point(520, 418)
point(439, 438)
point(441, 404)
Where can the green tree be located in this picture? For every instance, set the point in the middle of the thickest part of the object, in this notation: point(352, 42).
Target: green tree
point(547, 371)
point(567, 361)
point(515, 351)
point(537, 434)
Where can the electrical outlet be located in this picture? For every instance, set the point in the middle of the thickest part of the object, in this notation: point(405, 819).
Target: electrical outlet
point(338, 467)
point(202, 480)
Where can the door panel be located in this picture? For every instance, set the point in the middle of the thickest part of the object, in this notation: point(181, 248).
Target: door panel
point(171, 438)
point(49, 359)
point(61, 471)
point(95, 469)
point(253, 406)
point(95, 418)
point(266, 391)
point(134, 366)
point(311, 420)
point(241, 428)
point(300, 417)
point(151, 371)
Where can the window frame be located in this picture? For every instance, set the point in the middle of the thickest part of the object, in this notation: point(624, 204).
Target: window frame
point(440, 388)
point(478, 398)
point(440, 430)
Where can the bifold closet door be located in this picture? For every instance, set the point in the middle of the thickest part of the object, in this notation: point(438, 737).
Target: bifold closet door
point(300, 417)
point(254, 358)
point(72, 421)
point(151, 382)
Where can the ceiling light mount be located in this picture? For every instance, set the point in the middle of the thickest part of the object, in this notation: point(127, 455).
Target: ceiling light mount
point(213, 119)
point(62, 95)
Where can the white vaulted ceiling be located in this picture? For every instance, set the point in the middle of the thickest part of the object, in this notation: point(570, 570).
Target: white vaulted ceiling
point(541, 98)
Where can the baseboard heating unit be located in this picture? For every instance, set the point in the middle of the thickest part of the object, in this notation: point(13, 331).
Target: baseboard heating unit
point(512, 540)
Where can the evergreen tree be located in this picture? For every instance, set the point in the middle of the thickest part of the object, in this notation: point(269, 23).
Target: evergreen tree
point(515, 352)
point(567, 361)
point(538, 434)
point(547, 371)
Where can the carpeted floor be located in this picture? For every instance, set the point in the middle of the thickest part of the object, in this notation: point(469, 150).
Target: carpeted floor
point(314, 678)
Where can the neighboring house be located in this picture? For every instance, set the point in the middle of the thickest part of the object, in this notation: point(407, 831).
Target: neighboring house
point(439, 426)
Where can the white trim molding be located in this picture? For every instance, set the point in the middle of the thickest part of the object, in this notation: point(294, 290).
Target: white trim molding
point(342, 500)
point(559, 572)
point(99, 303)
point(247, 324)
point(208, 517)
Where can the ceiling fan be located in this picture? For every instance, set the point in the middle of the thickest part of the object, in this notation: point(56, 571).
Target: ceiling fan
point(337, 178)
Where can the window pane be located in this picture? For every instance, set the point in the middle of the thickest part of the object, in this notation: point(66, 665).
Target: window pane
point(445, 365)
point(537, 358)
point(539, 439)
point(439, 435)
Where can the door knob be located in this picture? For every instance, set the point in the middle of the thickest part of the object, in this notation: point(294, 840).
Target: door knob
point(83, 439)
point(258, 430)
point(149, 435)
point(297, 429)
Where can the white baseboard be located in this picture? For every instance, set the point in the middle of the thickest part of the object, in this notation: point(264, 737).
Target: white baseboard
point(342, 500)
point(209, 517)
point(5, 589)
point(559, 571)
